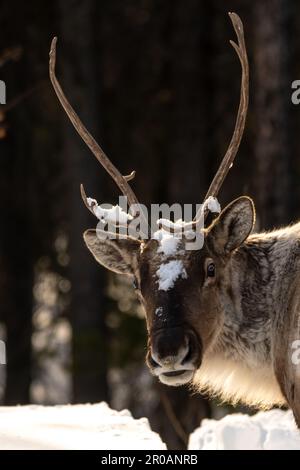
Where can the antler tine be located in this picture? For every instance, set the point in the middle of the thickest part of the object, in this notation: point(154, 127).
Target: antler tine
point(84, 198)
point(119, 179)
point(90, 207)
point(229, 157)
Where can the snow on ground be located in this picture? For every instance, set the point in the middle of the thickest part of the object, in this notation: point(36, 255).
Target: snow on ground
point(97, 427)
point(84, 427)
point(270, 430)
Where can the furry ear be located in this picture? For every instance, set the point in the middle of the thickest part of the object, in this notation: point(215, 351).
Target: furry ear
point(118, 255)
point(233, 225)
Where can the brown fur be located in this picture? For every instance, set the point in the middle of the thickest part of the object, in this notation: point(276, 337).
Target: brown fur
point(236, 327)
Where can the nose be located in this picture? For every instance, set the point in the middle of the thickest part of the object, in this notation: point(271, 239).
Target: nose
point(174, 356)
point(171, 360)
point(171, 349)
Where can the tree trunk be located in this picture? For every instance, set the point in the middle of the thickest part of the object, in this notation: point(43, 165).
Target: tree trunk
point(272, 90)
point(17, 260)
point(88, 280)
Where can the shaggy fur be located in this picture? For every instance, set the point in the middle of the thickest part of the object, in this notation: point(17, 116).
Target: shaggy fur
point(241, 323)
point(242, 364)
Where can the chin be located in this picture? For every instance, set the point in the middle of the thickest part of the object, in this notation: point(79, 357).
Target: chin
point(177, 380)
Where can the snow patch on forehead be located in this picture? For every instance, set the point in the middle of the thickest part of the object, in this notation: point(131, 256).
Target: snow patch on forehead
point(171, 233)
point(168, 273)
point(168, 242)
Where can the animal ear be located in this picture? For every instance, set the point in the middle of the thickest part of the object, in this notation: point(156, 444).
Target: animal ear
point(233, 225)
point(117, 255)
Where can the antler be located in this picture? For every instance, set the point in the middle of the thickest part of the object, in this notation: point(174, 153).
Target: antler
point(119, 179)
point(229, 157)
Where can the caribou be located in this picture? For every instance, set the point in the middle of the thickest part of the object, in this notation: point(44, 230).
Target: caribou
point(227, 321)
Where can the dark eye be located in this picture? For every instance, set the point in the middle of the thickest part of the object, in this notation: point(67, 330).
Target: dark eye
point(135, 283)
point(211, 270)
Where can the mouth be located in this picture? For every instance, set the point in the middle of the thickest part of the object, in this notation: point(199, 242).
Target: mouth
point(176, 377)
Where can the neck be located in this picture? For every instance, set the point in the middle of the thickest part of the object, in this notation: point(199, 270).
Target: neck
point(262, 281)
point(257, 290)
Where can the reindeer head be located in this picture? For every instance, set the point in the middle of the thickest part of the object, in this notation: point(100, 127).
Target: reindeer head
point(181, 290)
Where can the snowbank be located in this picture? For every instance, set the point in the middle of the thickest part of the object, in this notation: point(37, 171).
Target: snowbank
point(74, 427)
point(270, 430)
point(98, 427)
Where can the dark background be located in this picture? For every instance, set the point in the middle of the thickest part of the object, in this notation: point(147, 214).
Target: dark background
point(158, 84)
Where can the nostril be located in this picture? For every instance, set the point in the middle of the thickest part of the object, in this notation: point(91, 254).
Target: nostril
point(152, 362)
point(189, 354)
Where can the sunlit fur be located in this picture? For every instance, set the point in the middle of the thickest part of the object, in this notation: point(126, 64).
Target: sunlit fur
point(246, 318)
point(244, 367)
point(234, 382)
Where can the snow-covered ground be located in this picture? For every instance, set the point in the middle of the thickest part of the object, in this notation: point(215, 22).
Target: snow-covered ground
point(99, 427)
point(270, 430)
point(74, 427)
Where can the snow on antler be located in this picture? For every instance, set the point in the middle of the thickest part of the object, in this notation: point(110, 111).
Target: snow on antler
point(115, 214)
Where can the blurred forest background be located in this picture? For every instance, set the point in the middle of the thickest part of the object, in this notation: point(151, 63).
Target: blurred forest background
point(158, 85)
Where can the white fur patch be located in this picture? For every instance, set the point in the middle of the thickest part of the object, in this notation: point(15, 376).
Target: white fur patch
point(235, 382)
